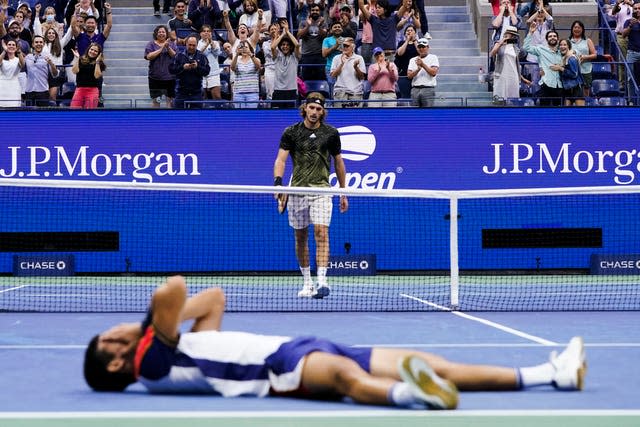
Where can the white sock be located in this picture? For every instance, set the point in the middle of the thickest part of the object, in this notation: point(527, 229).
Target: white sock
point(532, 376)
point(306, 274)
point(322, 276)
point(401, 394)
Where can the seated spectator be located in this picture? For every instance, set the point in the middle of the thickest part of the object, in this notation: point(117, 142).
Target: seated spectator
point(411, 16)
point(88, 69)
point(160, 53)
point(245, 65)
point(285, 51)
point(204, 12)
point(179, 22)
point(211, 50)
point(311, 35)
point(11, 62)
point(407, 49)
point(348, 70)
point(382, 76)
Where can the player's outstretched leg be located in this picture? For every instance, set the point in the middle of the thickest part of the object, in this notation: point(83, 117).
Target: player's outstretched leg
point(570, 366)
point(427, 386)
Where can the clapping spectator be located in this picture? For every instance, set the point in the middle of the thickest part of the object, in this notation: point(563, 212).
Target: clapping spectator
point(411, 16)
point(88, 69)
point(38, 67)
point(286, 55)
point(11, 62)
point(179, 23)
point(204, 12)
point(269, 64)
point(349, 27)
point(245, 65)
point(211, 50)
point(506, 17)
point(422, 72)
point(384, 25)
point(332, 47)
point(348, 70)
point(407, 49)
point(585, 51)
point(382, 76)
point(311, 33)
point(160, 53)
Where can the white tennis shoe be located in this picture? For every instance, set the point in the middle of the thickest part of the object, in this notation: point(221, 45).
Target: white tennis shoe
point(427, 386)
point(307, 291)
point(570, 366)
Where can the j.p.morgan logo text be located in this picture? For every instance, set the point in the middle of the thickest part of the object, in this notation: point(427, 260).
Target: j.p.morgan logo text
point(57, 161)
point(520, 158)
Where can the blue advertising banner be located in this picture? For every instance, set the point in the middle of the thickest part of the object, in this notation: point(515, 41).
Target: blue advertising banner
point(43, 265)
point(615, 264)
point(441, 149)
point(352, 265)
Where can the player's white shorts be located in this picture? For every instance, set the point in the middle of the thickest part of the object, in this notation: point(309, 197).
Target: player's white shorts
point(210, 82)
point(305, 210)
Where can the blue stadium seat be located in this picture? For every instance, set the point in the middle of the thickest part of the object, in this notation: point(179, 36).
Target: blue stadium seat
point(612, 101)
point(603, 70)
point(605, 87)
point(321, 86)
point(520, 102)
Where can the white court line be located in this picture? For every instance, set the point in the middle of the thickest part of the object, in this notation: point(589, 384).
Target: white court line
point(485, 322)
point(394, 413)
point(13, 289)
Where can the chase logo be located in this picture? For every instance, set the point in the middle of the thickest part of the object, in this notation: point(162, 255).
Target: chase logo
point(358, 142)
point(43, 265)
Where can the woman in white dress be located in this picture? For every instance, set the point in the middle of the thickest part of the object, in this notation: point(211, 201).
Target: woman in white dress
point(506, 75)
point(11, 62)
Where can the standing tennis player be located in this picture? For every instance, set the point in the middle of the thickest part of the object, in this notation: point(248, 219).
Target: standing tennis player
point(311, 144)
point(226, 363)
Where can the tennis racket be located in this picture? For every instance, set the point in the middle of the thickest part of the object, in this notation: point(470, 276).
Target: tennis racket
point(283, 199)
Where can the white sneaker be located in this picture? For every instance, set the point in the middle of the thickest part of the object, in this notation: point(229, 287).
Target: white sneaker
point(307, 291)
point(570, 366)
point(435, 392)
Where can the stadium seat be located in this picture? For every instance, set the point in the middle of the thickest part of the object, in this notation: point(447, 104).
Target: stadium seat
point(602, 70)
point(520, 102)
point(605, 87)
point(612, 101)
point(321, 86)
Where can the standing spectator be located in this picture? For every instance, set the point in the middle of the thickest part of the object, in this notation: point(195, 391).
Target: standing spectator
point(189, 67)
point(311, 34)
point(25, 32)
point(569, 70)
point(585, 50)
point(243, 33)
point(551, 86)
point(497, 5)
point(166, 7)
point(622, 11)
point(58, 7)
point(204, 12)
point(332, 47)
point(286, 54)
point(211, 50)
point(311, 144)
point(15, 33)
point(349, 27)
point(160, 53)
point(506, 76)
point(245, 65)
point(49, 22)
point(411, 16)
point(384, 25)
point(348, 70)
point(383, 76)
point(535, 6)
point(88, 69)
point(179, 23)
point(38, 67)
point(632, 32)
point(90, 34)
point(544, 23)
point(269, 64)
point(53, 48)
point(11, 61)
point(278, 8)
point(506, 17)
point(407, 49)
point(422, 71)
point(251, 16)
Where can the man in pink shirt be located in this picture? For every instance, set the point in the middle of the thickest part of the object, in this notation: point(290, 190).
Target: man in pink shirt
point(382, 76)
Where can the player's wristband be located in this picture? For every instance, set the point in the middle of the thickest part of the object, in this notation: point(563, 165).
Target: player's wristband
point(277, 181)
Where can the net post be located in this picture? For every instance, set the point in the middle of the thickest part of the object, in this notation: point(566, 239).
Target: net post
point(453, 251)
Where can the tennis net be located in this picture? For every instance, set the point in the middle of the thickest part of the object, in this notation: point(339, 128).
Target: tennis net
point(96, 247)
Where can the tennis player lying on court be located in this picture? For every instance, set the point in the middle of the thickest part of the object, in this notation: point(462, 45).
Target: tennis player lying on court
point(207, 360)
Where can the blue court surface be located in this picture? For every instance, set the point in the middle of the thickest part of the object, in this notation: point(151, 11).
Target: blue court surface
point(42, 384)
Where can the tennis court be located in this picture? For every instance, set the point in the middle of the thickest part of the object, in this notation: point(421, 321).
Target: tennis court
point(43, 385)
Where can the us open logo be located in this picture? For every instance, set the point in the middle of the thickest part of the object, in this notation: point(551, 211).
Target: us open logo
point(358, 143)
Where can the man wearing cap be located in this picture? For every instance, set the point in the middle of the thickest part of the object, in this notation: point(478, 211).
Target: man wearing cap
point(285, 51)
point(382, 76)
point(349, 28)
point(311, 143)
point(422, 72)
point(349, 70)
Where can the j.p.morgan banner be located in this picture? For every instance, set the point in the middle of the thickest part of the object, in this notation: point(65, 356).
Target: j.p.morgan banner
point(449, 149)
